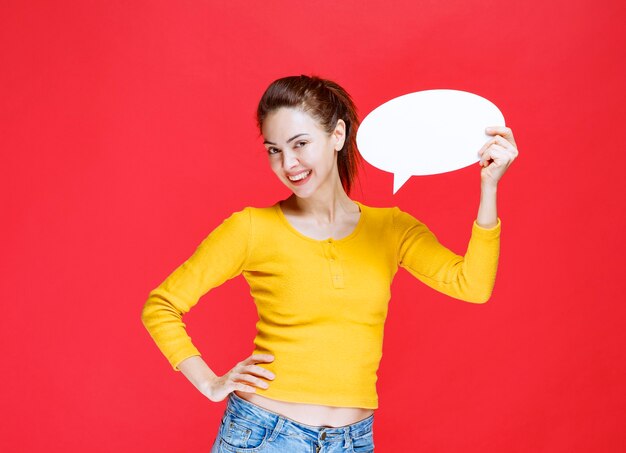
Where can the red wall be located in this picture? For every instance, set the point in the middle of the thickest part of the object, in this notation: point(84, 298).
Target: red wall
point(127, 133)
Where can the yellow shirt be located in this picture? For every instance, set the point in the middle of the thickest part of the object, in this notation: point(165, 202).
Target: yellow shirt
point(322, 304)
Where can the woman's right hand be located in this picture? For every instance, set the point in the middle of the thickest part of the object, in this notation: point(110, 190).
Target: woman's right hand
point(240, 377)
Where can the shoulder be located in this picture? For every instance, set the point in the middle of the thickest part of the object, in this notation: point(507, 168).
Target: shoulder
point(390, 222)
point(250, 211)
point(254, 217)
point(377, 211)
point(386, 213)
point(261, 214)
point(398, 224)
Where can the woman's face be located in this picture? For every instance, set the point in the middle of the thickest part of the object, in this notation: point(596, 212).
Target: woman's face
point(301, 153)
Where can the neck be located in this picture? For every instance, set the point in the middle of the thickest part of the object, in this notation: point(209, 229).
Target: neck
point(324, 207)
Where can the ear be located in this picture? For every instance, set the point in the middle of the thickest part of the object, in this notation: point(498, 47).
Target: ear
point(339, 134)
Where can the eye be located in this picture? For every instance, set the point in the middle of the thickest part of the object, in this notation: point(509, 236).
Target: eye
point(300, 144)
point(272, 150)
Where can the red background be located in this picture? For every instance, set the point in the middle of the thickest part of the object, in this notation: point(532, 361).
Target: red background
point(127, 134)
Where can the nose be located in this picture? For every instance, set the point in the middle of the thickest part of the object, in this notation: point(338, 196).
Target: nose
point(290, 160)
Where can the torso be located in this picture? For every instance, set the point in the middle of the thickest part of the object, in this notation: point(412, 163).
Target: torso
point(309, 414)
point(313, 414)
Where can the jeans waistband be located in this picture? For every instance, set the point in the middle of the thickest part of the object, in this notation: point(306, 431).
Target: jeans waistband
point(269, 419)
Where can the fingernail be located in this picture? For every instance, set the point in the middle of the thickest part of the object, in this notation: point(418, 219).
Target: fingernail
point(488, 129)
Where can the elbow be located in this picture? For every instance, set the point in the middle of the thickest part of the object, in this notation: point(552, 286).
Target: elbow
point(480, 300)
point(150, 310)
point(476, 295)
point(477, 298)
point(145, 313)
point(478, 291)
point(159, 307)
point(480, 297)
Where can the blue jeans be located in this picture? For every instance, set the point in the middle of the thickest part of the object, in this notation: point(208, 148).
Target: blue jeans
point(248, 428)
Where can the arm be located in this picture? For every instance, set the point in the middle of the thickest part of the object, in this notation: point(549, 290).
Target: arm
point(487, 209)
point(198, 373)
point(221, 255)
point(469, 278)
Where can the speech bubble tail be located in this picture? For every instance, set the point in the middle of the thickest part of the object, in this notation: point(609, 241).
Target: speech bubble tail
point(399, 180)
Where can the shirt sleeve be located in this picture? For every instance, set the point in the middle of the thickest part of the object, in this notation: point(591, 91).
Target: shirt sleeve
point(470, 278)
point(220, 256)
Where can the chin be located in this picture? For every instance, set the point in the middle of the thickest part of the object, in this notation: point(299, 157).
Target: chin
point(302, 193)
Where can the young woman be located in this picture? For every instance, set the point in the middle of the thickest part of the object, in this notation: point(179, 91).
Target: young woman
point(319, 266)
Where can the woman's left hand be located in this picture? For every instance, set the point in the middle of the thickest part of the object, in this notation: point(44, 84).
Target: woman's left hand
point(497, 154)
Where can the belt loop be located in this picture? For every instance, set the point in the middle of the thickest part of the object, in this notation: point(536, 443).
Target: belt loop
point(347, 438)
point(277, 428)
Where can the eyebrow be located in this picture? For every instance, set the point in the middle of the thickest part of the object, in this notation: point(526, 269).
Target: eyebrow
point(267, 142)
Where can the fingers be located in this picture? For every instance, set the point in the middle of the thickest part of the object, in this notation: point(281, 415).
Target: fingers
point(504, 143)
point(251, 379)
point(498, 149)
point(494, 153)
point(259, 371)
point(510, 151)
point(258, 358)
point(243, 387)
point(504, 131)
point(491, 149)
point(498, 139)
point(247, 371)
point(245, 376)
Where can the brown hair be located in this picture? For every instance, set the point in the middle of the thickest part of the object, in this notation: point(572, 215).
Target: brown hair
point(327, 102)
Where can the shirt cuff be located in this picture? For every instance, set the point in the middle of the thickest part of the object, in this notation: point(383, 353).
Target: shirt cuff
point(495, 230)
point(183, 354)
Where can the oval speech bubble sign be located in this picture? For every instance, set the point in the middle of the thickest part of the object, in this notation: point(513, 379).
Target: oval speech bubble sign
point(426, 133)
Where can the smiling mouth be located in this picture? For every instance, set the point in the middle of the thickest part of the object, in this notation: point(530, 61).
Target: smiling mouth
point(299, 176)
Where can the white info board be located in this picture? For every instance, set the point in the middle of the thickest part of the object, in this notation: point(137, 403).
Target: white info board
point(426, 133)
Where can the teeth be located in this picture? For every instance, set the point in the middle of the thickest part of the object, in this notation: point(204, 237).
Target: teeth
point(300, 176)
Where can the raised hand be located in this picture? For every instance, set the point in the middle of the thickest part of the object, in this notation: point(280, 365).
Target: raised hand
point(497, 154)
